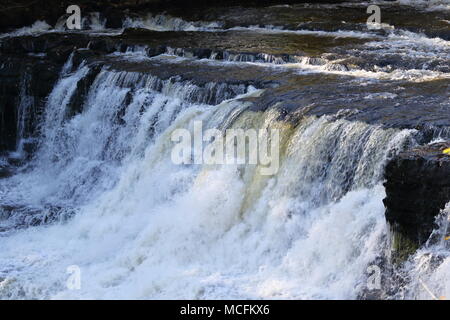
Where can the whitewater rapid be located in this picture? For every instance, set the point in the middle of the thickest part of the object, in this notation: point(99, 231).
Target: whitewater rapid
point(139, 226)
point(414, 56)
point(102, 195)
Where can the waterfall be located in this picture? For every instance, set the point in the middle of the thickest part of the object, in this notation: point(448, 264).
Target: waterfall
point(425, 275)
point(25, 104)
point(89, 183)
point(139, 226)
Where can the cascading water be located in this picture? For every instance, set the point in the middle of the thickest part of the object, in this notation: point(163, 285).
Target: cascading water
point(26, 102)
point(101, 192)
point(168, 23)
point(147, 228)
point(425, 275)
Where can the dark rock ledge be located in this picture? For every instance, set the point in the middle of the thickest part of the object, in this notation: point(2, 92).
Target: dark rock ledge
point(417, 188)
point(20, 13)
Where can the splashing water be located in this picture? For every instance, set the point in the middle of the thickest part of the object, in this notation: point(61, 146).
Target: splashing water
point(426, 273)
point(167, 23)
point(36, 28)
point(143, 227)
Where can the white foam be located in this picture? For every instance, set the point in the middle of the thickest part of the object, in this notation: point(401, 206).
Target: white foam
point(36, 28)
point(147, 228)
point(169, 23)
point(381, 95)
point(427, 272)
point(429, 5)
point(335, 34)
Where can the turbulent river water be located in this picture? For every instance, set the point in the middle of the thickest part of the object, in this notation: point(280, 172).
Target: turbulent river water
point(102, 194)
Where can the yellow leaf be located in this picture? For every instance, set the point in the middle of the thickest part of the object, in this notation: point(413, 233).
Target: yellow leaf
point(446, 151)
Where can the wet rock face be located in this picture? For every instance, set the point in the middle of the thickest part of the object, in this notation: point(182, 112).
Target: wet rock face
point(417, 188)
point(9, 91)
point(19, 13)
point(41, 74)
